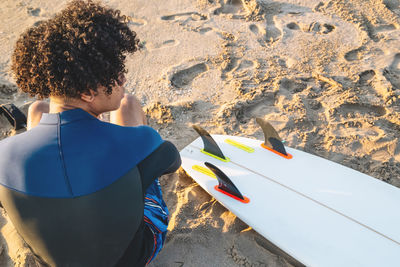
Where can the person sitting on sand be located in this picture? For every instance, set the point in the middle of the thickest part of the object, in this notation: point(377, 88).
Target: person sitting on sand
point(81, 191)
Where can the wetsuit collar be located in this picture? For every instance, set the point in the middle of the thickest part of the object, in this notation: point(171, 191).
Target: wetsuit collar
point(66, 116)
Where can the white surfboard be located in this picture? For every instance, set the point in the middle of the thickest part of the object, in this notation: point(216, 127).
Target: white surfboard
point(319, 212)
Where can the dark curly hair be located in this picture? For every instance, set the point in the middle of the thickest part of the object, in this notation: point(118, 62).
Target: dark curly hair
point(81, 48)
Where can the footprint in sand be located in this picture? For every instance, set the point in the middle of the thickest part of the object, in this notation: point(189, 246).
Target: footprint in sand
point(269, 35)
point(201, 30)
point(293, 26)
point(366, 76)
point(185, 76)
point(164, 44)
point(359, 53)
point(247, 64)
point(259, 32)
point(385, 28)
point(7, 90)
point(396, 62)
point(353, 54)
point(258, 109)
point(204, 30)
point(256, 29)
point(237, 65)
point(136, 21)
point(193, 15)
point(291, 85)
point(244, 111)
point(351, 109)
point(272, 34)
point(35, 12)
point(230, 66)
point(321, 28)
point(375, 31)
point(233, 7)
point(315, 27)
point(392, 72)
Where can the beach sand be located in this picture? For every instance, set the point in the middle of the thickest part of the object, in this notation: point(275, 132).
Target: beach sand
point(326, 74)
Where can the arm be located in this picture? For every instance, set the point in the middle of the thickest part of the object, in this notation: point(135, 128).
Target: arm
point(165, 159)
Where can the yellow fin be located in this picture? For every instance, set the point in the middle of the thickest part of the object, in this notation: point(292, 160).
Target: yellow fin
point(216, 157)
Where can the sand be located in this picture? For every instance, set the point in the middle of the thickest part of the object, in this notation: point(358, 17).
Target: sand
point(326, 74)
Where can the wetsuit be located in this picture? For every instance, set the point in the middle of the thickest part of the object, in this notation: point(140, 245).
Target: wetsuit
point(76, 190)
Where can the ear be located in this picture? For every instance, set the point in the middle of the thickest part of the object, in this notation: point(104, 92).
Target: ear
point(88, 97)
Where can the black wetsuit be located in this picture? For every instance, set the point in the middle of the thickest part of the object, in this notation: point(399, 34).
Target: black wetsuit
point(74, 187)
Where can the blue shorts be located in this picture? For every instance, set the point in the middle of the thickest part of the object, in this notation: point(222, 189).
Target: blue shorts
point(156, 216)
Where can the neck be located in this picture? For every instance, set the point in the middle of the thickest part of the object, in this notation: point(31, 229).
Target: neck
point(59, 104)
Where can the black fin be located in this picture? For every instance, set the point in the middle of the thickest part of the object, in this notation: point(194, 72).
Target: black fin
point(271, 137)
point(225, 184)
point(210, 145)
point(277, 146)
point(14, 115)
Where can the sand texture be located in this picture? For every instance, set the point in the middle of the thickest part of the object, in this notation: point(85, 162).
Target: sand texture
point(325, 74)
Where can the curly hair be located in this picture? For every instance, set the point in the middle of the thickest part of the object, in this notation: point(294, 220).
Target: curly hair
point(81, 48)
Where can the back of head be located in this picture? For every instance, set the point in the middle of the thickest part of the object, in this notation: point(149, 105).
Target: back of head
point(81, 48)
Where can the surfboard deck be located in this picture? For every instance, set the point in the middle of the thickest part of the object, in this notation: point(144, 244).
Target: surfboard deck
point(319, 212)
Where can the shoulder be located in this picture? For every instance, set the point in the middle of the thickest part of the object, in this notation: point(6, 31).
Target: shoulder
point(9, 143)
point(22, 154)
point(144, 137)
point(5, 146)
point(146, 133)
point(143, 133)
point(140, 139)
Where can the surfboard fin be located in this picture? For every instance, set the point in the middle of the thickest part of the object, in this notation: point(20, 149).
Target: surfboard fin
point(13, 115)
point(272, 139)
point(225, 184)
point(210, 146)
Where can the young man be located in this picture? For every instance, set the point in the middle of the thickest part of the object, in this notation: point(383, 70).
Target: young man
point(80, 191)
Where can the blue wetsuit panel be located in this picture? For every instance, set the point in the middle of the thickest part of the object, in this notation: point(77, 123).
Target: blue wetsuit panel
point(30, 163)
point(72, 154)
